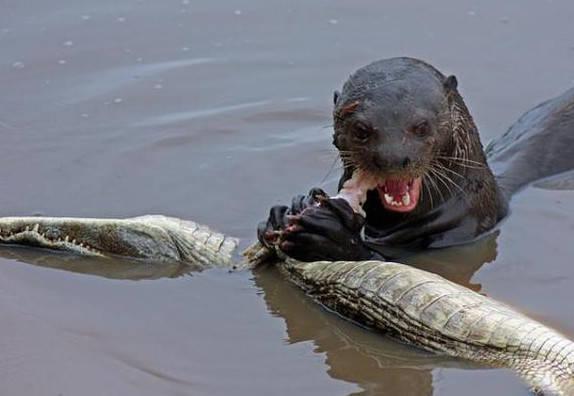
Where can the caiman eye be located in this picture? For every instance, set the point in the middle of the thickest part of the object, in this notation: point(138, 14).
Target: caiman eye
point(362, 132)
point(421, 129)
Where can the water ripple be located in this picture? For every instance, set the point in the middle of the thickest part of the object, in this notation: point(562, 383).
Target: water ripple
point(191, 115)
point(108, 81)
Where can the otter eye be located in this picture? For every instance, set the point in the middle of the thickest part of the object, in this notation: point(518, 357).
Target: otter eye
point(362, 132)
point(421, 129)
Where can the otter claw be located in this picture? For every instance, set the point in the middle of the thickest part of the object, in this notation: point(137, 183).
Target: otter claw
point(293, 228)
point(272, 236)
point(321, 199)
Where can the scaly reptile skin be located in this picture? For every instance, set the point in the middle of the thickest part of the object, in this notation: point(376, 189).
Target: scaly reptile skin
point(412, 305)
point(435, 314)
point(154, 238)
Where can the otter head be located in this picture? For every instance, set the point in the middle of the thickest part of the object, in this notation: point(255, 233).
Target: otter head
point(394, 120)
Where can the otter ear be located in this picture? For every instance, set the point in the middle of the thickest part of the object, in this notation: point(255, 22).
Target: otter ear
point(451, 83)
point(336, 95)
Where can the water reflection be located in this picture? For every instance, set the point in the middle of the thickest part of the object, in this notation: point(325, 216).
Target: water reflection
point(120, 268)
point(378, 365)
point(459, 263)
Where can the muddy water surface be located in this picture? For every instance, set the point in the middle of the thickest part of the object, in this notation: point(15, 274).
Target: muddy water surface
point(213, 111)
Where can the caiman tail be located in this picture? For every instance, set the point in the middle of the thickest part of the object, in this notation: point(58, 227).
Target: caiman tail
point(428, 311)
point(539, 145)
point(412, 305)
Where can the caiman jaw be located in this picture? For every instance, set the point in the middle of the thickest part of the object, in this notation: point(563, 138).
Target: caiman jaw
point(400, 195)
point(33, 236)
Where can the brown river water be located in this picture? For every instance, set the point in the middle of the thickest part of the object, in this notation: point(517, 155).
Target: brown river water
point(214, 111)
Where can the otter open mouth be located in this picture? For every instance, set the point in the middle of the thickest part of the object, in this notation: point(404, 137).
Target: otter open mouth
point(400, 195)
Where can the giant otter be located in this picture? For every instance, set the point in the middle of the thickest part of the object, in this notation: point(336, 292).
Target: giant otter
point(405, 123)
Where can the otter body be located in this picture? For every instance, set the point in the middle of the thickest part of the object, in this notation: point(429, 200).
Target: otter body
point(405, 123)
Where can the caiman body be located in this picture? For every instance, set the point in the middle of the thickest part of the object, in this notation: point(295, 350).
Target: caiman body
point(428, 311)
point(409, 304)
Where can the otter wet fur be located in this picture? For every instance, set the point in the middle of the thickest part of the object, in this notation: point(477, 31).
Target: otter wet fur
point(406, 124)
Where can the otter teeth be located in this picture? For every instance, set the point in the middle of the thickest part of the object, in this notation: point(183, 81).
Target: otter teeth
point(405, 200)
point(389, 199)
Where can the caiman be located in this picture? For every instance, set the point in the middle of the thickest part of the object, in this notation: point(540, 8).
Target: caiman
point(411, 305)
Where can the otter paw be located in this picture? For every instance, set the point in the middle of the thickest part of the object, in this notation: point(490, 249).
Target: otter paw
point(319, 233)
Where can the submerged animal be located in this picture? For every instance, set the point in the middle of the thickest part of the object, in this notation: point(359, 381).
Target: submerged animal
point(409, 304)
point(405, 124)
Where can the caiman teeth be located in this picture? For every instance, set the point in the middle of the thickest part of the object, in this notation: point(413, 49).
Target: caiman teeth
point(46, 238)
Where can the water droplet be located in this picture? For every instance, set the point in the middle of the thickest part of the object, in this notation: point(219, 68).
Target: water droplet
point(68, 43)
point(139, 60)
point(118, 100)
point(333, 21)
point(86, 17)
point(158, 86)
point(471, 13)
point(237, 12)
point(185, 2)
point(62, 61)
point(84, 115)
point(121, 19)
point(18, 65)
point(185, 49)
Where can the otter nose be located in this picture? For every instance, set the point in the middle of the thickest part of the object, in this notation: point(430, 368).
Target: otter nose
point(392, 161)
point(393, 153)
